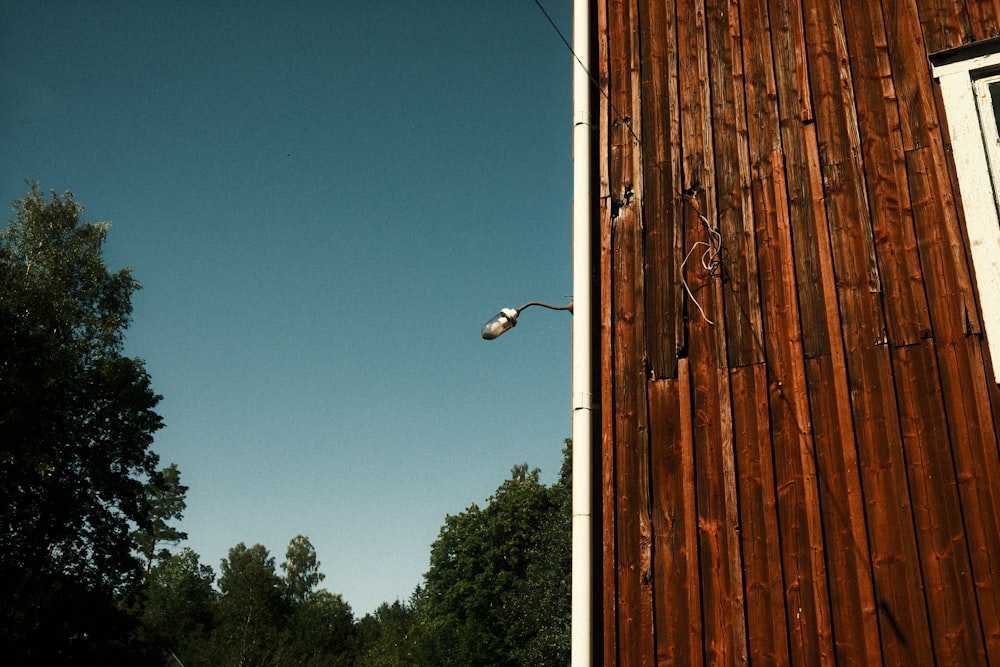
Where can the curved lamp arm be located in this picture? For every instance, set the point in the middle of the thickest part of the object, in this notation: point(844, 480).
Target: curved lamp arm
point(507, 318)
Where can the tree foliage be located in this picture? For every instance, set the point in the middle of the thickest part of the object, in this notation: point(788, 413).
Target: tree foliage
point(386, 636)
point(178, 610)
point(165, 498)
point(81, 496)
point(76, 425)
point(497, 591)
point(541, 604)
point(262, 618)
point(251, 609)
point(320, 632)
point(301, 569)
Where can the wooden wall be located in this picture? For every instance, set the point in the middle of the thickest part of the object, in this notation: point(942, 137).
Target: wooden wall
point(799, 444)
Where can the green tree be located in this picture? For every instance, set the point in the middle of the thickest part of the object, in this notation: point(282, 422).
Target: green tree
point(252, 610)
point(320, 628)
point(165, 496)
point(76, 425)
point(541, 602)
point(385, 637)
point(179, 605)
point(301, 569)
point(489, 568)
point(320, 632)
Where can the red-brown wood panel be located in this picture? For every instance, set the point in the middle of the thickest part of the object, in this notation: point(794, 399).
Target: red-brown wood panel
point(947, 572)
point(661, 185)
point(733, 220)
point(945, 24)
point(964, 391)
point(677, 597)
point(835, 442)
point(907, 319)
point(800, 454)
point(767, 639)
point(795, 114)
point(633, 541)
point(629, 428)
point(720, 575)
point(608, 613)
point(984, 18)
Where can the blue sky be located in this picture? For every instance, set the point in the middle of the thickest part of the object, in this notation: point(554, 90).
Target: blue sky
point(324, 202)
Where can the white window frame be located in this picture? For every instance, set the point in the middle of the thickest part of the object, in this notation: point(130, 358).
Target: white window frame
point(988, 120)
point(973, 133)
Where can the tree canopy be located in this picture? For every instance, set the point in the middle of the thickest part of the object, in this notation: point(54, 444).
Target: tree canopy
point(497, 592)
point(263, 619)
point(301, 569)
point(498, 588)
point(251, 609)
point(86, 515)
point(165, 498)
point(178, 610)
point(76, 424)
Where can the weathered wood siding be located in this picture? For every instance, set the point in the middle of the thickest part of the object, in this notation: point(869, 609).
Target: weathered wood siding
point(799, 442)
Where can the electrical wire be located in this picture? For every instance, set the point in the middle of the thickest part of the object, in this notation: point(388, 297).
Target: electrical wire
point(710, 259)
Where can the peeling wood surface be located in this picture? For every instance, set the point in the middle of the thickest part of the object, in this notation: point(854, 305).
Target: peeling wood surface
point(799, 430)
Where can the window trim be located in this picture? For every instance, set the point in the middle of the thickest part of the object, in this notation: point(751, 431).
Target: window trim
point(989, 122)
point(958, 78)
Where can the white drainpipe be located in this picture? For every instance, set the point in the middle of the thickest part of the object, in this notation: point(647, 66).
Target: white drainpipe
point(582, 429)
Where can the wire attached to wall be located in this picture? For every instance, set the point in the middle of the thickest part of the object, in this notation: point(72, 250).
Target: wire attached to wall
point(710, 260)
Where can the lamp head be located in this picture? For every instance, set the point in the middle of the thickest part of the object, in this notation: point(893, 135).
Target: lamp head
point(504, 320)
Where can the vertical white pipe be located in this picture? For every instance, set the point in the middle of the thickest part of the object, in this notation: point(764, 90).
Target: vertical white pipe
point(582, 613)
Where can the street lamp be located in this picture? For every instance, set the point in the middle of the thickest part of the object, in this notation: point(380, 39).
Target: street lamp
point(584, 203)
point(507, 318)
point(581, 649)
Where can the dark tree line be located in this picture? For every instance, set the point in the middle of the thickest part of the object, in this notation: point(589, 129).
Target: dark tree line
point(88, 567)
point(497, 592)
point(252, 616)
point(76, 425)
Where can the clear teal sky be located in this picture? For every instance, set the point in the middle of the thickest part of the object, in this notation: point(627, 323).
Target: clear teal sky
point(324, 202)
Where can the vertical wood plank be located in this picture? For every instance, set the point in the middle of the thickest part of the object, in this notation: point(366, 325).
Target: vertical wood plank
point(837, 446)
point(984, 18)
point(730, 162)
point(918, 121)
point(944, 23)
point(634, 537)
point(782, 337)
point(809, 459)
point(965, 386)
point(953, 616)
point(941, 537)
point(953, 313)
point(884, 175)
point(663, 232)
point(721, 585)
point(903, 621)
point(977, 465)
point(609, 508)
point(695, 156)
point(677, 600)
point(811, 632)
point(841, 161)
point(629, 401)
point(906, 636)
point(767, 639)
point(720, 572)
point(970, 392)
point(736, 632)
point(794, 110)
